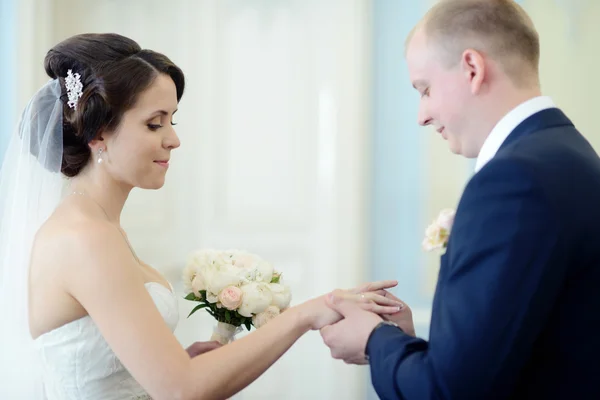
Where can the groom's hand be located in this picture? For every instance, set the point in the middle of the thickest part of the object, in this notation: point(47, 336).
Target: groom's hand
point(347, 338)
point(202, 347)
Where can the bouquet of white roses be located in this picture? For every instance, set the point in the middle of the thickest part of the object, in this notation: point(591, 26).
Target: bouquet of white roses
point(235, 287)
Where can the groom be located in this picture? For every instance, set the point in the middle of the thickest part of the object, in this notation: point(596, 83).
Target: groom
point(517, 301)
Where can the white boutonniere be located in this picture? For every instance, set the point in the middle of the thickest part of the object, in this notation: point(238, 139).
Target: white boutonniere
point(438, 233)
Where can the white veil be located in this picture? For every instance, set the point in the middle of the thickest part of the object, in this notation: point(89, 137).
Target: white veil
point(30, 189)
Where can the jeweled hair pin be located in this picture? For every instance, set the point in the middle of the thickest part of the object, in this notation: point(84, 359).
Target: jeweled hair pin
point(74, 88)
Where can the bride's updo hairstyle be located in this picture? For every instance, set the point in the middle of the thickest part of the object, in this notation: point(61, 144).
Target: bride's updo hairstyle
point(114, 71)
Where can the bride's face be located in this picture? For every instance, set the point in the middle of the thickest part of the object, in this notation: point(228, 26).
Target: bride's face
point(139, 150)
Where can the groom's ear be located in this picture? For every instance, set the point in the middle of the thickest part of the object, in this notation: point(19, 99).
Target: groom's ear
point(473, 67)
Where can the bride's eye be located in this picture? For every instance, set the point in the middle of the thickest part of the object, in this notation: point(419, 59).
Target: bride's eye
point(155, 123)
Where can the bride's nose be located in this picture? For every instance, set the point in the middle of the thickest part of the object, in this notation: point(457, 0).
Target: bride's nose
point(171, 141)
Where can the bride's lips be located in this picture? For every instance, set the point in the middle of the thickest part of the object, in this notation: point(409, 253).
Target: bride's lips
point(163, 163)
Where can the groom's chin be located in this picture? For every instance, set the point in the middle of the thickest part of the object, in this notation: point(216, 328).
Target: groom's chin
point(454, 147)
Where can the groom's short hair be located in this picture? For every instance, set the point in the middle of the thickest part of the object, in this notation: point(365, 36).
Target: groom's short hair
point(501, 29)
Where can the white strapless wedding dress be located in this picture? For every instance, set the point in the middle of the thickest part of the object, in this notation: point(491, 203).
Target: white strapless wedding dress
point(77, 362)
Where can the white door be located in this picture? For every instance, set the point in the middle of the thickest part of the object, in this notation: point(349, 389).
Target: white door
point(273, 153)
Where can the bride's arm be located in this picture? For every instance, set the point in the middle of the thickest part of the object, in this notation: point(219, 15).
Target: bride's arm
point(101, 274)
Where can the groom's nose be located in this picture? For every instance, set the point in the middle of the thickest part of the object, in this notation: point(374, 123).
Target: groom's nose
point(423, 117)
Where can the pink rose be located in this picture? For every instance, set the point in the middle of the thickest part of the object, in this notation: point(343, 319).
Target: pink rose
point(231, 297)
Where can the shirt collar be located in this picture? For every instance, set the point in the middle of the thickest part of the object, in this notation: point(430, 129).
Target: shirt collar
point(507, 124)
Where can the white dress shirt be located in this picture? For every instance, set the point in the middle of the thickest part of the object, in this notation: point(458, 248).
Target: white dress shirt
point(507, 124)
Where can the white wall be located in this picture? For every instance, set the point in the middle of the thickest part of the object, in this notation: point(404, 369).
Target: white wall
point(273, 131)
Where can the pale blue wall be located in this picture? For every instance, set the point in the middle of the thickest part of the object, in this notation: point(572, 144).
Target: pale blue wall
point(397, 190)
point(7, 72)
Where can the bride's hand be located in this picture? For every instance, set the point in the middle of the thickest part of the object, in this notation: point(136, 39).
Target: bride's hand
point(403, 317)
point(198, 348)
point(369, 296)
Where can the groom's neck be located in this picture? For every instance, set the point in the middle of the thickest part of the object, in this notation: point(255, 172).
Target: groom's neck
point(499, 103)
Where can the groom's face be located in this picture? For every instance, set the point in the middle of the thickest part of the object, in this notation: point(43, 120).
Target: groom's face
point(443, 96)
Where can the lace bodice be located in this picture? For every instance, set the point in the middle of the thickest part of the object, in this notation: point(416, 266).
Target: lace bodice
point(78, 363)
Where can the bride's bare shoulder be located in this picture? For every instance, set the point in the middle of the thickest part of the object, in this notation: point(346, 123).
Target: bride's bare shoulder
point(75, 230)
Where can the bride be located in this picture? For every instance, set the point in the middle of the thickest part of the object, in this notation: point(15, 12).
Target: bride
point(83, 316)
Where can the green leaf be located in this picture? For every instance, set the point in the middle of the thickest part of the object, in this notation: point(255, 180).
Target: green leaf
point(198, 307)
point(227, 316)
point(248, 324)
point(191, 296)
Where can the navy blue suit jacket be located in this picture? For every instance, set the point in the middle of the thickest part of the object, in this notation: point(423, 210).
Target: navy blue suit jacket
point(517, 302)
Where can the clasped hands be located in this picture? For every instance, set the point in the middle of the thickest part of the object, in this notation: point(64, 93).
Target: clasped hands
point(361, 310)
point(351, 317)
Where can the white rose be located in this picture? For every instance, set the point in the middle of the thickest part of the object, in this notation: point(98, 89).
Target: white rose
point(446, 219)
point(198, 284)
point(434, 237)
point(218, 277)
point(253, 267)
point(282, 295)
point(201, 258)
point(262, 318)
point(189, 273)
point(256, 297)
point(233, 255)
point(208, 258)
point(212, 298)
point(429, 245)
point(263, 271)
point(244, 260)
point(438, 233)
point(433, 231)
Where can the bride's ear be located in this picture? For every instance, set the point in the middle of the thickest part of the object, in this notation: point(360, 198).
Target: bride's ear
point(97, 143)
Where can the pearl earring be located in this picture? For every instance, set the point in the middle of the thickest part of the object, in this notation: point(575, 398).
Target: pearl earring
point(100, 156)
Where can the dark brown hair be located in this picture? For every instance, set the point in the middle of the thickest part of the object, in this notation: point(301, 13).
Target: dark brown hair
point(114, 71)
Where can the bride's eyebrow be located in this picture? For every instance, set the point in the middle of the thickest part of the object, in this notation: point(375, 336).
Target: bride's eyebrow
point(158, 112)
point(161, 112)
